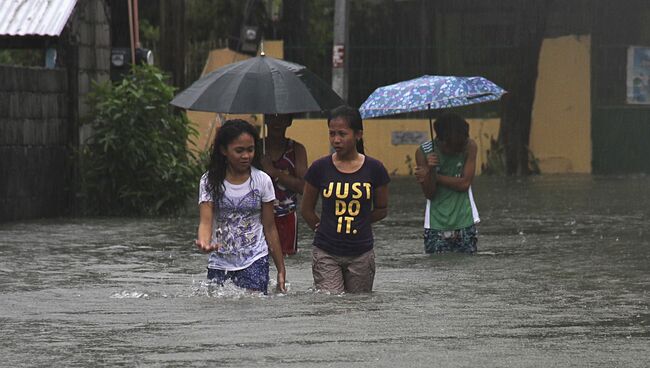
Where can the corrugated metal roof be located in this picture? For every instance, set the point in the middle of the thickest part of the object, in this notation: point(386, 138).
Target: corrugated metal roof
point(34, 17)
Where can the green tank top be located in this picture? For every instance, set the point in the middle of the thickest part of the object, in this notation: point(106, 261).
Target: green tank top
point(449, 209)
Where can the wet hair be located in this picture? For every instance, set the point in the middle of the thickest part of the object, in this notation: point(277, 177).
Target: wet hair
point(453, 130)
point(352, 117)
point(228, 132)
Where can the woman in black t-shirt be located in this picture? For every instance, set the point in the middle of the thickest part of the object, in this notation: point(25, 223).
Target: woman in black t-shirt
point(353, 189)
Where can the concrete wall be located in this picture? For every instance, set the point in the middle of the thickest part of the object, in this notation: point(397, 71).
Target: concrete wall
point(560, 134)
point(561, 123)
point(380, 139)
point(89, 35)
point(395, 152)
point(392, 141)
point(560, 131)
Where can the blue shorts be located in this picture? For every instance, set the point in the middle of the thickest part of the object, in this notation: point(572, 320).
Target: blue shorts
point(254, 277)
point(457, 241)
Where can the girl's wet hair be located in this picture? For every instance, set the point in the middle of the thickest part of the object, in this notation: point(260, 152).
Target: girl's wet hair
point(352, 117)
point(452, 129)
point(228, 132)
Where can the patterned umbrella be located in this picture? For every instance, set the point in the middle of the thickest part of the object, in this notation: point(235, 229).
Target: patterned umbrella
point(429, 92)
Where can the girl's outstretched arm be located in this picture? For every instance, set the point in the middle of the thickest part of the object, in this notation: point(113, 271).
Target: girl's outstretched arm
point(273, 240)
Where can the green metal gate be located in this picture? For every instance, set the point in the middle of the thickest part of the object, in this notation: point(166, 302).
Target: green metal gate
point(620, 131)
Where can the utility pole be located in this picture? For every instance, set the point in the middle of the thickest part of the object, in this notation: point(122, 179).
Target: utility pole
point(339, 57)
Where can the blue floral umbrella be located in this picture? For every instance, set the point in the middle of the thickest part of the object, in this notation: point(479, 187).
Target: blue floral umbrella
point(429, 92)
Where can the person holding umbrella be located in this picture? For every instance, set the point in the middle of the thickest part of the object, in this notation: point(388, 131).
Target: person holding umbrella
point(445, 171)
point(285, 161)
point(259, 85)
point(353, 189)
point(237, 225)
point(445, 165)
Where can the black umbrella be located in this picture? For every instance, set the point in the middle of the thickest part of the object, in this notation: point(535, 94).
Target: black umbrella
point(260, 85)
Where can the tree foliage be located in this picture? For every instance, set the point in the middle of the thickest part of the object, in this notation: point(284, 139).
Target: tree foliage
point(182, 33)
point(22, 57)
point(137, 160)
point(307, 30)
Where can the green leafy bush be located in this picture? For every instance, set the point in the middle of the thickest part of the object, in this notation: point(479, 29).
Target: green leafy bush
point(137, 159)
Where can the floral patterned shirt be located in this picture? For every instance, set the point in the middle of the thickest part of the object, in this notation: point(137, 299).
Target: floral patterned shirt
point(237, 221)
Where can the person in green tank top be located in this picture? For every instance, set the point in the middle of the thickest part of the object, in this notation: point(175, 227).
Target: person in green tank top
point(445, 171)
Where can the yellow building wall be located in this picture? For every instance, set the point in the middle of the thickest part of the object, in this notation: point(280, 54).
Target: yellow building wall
point(561, 122)
point(398, 159)
point(560, 134)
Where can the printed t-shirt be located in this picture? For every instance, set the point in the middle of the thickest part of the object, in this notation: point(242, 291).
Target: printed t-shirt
point(237, 221)
point(346, 201)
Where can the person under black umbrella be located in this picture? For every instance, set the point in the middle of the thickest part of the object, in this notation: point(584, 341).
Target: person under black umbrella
point(285, 161)
point(265, 85)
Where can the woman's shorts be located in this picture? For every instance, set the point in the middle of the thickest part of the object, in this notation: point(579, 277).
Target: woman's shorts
point(456, 241)
point(254, 277)
point(336, 274)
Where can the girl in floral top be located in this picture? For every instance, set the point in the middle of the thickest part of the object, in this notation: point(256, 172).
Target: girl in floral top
point(237, 225)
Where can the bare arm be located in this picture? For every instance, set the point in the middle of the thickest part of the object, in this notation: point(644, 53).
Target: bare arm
point(273, 240)
point(204, 235)
point(308, 206)
point(425, 173)
point(294, 183)
point(462, 183)
point(380, 204)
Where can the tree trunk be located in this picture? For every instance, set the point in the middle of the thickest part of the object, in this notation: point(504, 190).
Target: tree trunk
point(172, 40)
point(517, 105)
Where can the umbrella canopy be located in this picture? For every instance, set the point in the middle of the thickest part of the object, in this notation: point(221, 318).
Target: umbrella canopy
point(429, 92)
point(261, 85)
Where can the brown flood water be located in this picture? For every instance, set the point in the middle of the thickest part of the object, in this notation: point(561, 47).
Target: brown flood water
point(562, 279)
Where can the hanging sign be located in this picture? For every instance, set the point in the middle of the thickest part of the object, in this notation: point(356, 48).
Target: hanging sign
point(338, 56)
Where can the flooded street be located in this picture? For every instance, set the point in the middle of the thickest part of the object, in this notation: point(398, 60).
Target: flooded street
point(562, 279)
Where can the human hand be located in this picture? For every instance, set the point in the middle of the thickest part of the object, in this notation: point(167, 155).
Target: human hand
point(267, 166)
point(281, 282)
point(432, 160)
point(205, 246)
point(421, 173)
